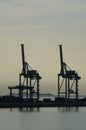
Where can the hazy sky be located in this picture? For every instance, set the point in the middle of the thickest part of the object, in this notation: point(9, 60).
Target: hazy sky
point(42, 25)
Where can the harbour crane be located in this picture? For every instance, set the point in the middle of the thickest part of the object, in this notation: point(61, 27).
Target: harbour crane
point(67, 76)
point(28, 73)
point(28, 80)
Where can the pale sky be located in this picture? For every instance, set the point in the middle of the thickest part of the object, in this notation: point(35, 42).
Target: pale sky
point(42, 25)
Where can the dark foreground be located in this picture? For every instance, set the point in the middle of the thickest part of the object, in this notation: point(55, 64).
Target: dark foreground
point(12, 102)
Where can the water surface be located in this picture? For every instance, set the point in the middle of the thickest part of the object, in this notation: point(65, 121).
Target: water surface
point(43, 119)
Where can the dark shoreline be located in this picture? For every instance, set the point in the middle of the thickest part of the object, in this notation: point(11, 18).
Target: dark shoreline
point(43, 104)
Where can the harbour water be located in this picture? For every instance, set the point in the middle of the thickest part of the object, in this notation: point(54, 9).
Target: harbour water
point(43, 119)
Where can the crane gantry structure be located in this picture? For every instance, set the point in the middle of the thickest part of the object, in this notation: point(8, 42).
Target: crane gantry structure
point(67, 80)
point(28, 80)
point(28, 74)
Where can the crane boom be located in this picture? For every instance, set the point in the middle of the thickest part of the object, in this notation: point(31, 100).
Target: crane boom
point(23, 58)
point(61, 59)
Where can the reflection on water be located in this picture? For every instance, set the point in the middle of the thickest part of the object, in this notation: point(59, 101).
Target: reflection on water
point(37, 109)
point(27, 109)
point(68, 109)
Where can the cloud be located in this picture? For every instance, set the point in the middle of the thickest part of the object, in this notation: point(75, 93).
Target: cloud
point(6, 1)
point(40, 14)
point(76, 1)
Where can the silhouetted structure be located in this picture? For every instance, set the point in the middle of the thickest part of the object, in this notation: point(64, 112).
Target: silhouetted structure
point(28, 80)
point(29, 83)
point(67, 80)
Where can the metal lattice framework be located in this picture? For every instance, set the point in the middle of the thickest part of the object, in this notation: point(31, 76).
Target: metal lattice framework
point(28, 80)
point(67, 80)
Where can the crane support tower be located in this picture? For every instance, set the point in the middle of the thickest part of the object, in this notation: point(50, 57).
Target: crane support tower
point(67, 80)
